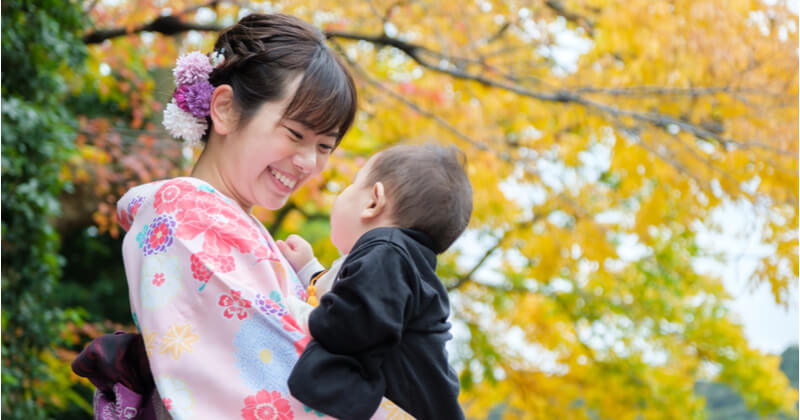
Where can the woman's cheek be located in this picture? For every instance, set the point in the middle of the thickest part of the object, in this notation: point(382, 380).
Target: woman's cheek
point(322, 161)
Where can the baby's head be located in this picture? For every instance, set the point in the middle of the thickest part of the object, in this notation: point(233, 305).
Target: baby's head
point(419, 187)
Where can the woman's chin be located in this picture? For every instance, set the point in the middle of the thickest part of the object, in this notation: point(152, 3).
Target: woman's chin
point(273, 203)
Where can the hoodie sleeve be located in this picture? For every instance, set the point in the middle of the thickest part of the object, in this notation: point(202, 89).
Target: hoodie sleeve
point(356, 324)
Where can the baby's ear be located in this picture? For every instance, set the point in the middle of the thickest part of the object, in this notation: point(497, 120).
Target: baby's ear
point(376, 206)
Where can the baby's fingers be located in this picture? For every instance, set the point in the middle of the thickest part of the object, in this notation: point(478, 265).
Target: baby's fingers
point(283, 246)
point(295, 240)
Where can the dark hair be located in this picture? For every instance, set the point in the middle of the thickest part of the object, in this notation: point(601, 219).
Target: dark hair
point(428, 190)
point(263, 52)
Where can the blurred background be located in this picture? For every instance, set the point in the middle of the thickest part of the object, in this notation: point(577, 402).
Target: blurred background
point(633, 252)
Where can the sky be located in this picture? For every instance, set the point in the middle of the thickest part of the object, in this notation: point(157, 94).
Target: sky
point(768, 326)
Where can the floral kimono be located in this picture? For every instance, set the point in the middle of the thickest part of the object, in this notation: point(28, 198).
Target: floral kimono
point(208, 291)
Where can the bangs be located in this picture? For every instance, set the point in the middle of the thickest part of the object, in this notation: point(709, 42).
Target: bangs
point(325, 100)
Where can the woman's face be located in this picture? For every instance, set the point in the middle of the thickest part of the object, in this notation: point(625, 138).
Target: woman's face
point(266, 160)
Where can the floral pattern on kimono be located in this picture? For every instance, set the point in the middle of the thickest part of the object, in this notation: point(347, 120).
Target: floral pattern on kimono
point(207, 287)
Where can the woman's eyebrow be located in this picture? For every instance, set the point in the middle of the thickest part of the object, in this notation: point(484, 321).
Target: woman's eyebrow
point(334, 134)
point(295, 133)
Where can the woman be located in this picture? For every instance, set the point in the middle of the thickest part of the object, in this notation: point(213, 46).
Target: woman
point(207, 283)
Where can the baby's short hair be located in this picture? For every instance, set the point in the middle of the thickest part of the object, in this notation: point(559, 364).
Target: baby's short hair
point(427, 189)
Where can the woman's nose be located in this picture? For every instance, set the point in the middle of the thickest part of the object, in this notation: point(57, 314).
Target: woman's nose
point(305, 160)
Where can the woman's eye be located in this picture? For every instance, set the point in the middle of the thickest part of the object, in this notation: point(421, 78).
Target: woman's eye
point(294, 135)
point(325, 148)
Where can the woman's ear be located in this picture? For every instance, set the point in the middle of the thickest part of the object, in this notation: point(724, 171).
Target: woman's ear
point(376, 206)
point(223, 115)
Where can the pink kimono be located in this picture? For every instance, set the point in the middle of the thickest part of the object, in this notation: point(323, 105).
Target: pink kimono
point(208, 291)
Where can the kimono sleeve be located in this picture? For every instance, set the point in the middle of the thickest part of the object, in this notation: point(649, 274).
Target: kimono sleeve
point(356, 324)
point(205, 292)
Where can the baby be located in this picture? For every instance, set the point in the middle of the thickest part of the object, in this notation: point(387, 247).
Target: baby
point(381, 324)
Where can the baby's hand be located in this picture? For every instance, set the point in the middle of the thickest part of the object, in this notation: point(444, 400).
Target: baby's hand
point(297, 250)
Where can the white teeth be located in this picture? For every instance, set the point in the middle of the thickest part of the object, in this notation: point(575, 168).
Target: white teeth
point(284, 180)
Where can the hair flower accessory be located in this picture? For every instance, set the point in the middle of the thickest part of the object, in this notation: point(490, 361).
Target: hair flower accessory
point(184, 125)
point(191, 68)
point(195, 98)
point(185, 115)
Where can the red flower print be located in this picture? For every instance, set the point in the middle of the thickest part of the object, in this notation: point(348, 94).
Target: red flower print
point(234, 305)
point(159, 235)
point(263, 253)
point(267, 406)
point(172, 193)
point(289, 324)
point(301, 344)
point(123, 220)
point(204, 265)
point(133, 207)
point(167, 403)
point(200, 271)
point(158, 279)
point(125, 216)
point(222, 224)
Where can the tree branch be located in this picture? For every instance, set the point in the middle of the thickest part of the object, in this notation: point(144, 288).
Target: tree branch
point(575, 18)
point(634, 137)
point(655, 119)
point(166, 25)
point(670, 91)
point(499, 34)
point(464, 278)
point(172, 24)
point(416, 108)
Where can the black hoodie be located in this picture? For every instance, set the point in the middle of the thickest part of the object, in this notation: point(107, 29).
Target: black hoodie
point(381, 331)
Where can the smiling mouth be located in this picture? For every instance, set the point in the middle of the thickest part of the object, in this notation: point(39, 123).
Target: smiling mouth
point(283, 179)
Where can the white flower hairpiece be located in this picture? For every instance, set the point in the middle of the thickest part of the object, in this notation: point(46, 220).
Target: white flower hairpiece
point(185, 115)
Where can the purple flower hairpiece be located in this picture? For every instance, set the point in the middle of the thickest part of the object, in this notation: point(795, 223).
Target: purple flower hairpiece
point(191, 68)
point(195, 98)
point(185, 115)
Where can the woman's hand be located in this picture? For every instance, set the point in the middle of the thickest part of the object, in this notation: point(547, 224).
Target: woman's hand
point(296, 250)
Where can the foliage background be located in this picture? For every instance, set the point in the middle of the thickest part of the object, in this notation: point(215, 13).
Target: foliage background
point(593, 128)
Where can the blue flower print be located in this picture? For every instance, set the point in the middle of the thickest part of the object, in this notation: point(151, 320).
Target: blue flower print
point(308, 409)
point(207, 188)
point(274, 295)
point(142, 235)
point(265, 353)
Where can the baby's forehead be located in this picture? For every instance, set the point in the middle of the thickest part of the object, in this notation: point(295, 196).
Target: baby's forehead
point(366, 166)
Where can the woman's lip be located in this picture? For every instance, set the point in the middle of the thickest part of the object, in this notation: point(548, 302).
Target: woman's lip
point(281, 186)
